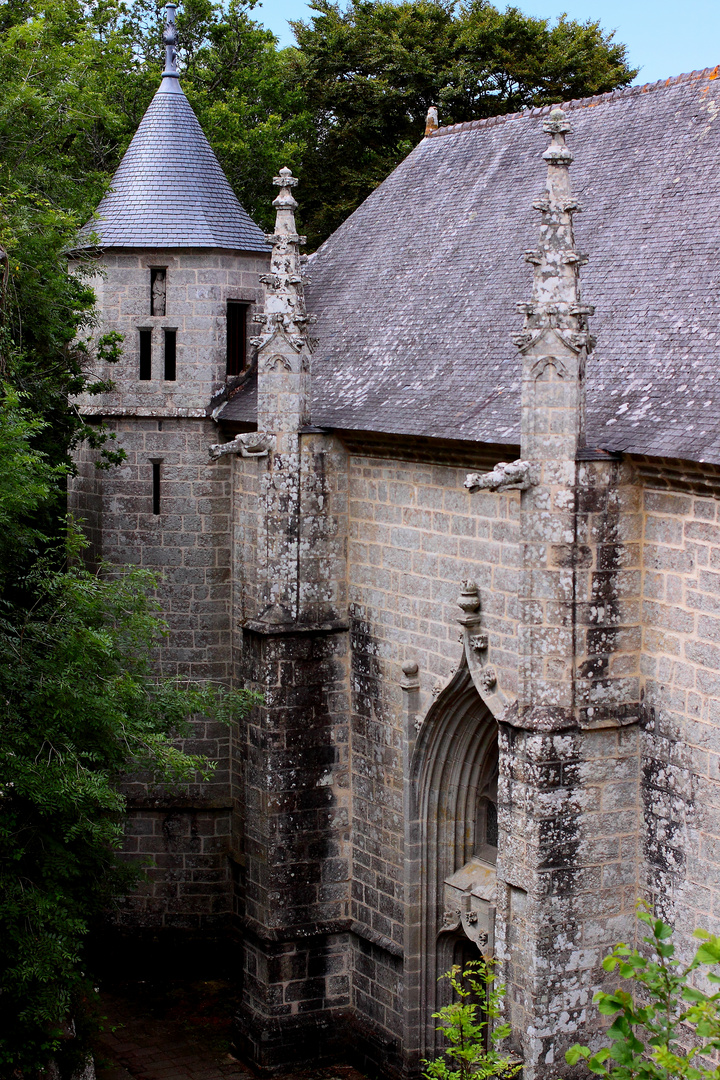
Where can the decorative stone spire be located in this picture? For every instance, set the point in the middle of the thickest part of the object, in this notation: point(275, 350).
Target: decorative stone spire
point(555, 339)
point(170, 38)
point(555, 299)
point(284, 308)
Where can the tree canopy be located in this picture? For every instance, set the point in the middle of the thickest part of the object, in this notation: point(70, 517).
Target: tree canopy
point(370, 71)
point(341, 107)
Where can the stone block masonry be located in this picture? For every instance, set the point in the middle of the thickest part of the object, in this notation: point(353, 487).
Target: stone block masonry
point(568, 876)
point(198, 287)
point(188, 886)
point(187, 545)
point(681, 674)
point(415, 534)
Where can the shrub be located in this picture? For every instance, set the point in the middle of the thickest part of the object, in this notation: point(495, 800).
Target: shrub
point(664, 1026)
point(469, 1028)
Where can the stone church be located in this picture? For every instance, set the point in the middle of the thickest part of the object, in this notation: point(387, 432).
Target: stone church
point(458, 526)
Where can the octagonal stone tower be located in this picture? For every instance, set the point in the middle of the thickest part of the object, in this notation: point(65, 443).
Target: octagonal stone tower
point(180, 261)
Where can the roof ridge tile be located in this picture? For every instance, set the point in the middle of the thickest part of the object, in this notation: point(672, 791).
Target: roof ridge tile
point(618, 94)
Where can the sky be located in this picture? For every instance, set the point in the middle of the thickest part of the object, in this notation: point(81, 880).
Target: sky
point(664, 37)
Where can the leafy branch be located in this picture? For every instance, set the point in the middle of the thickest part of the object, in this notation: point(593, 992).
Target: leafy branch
point(666, 1025)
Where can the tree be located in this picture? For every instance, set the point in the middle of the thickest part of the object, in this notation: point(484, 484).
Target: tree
point(370, 71)
point(342, 108)
point(667, 1026)
point(468, 1024)
point(79, 707)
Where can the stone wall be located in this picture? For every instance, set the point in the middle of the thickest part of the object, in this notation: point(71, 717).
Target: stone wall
point(187, 545)
point(568, 877)
point(415, 534)
point(322, 771)
point(198, 286)
point(681, 670)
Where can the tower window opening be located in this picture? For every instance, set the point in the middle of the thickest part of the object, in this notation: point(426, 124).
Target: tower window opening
point(491, 824)
point(236, 336)
point(486, 830)
point(170, 355)
point(145, 355)
point(156, 487)
point(486, 819)
point(158, 290)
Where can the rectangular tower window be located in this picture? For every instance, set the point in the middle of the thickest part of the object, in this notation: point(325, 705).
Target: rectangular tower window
point(158, 286)
point(170, 355)
point(236, 336)
point(145, 354)
point(156, 487)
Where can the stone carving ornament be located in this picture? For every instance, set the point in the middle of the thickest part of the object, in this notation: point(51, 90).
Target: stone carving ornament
point(506, 476)
point(284, 309)
point(250, 444)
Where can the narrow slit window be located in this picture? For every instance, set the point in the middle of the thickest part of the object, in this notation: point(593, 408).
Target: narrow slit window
point(170, 355)
point(145, 354)
point(156, 487)
point(158, 286)
point(491, 824)
point(236, 336)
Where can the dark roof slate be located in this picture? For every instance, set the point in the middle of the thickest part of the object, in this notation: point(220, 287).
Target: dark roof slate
point(169, 190)
point(415, 294)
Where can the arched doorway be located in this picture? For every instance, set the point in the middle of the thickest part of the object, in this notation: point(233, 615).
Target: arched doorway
point(453, 846)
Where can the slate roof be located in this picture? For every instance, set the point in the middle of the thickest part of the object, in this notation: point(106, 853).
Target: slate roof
point(415, 294)
point(169, 190)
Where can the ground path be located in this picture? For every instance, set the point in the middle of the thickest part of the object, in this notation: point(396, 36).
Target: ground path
point(176, 1032)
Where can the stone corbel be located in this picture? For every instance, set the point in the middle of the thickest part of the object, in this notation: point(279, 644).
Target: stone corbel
point(506, 476)
point(250, 444)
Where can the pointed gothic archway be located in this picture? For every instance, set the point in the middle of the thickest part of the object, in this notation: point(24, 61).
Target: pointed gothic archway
point(451, 850)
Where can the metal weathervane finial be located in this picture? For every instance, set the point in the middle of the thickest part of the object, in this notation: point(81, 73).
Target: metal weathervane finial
point(170, 38)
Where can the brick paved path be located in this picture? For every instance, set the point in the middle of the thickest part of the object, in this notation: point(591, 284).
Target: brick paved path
point(149, 1038)
point(144, 1047)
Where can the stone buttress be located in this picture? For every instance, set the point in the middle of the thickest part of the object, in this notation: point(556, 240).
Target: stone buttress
point(294, 652)
point(568, 788)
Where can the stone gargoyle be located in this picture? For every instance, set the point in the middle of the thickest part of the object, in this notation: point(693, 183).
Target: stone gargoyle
point(506, 476)
point(249, 444)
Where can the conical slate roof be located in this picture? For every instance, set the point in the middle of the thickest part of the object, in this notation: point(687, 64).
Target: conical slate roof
point(169, 190)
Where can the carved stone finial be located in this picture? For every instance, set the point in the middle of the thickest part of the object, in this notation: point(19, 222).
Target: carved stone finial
point(431, 121)
point(284, 307)
point(556, 301)
point(469, 602)
point(170, 38)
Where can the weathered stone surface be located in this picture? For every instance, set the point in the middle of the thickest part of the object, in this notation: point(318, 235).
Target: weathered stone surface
point(489, 716)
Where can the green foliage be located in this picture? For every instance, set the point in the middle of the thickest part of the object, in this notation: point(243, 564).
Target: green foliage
point(342, 108)
point(79, 707)
point(370, 71)
point(666, 1025)
point(27, 483)
point(469, 1028)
